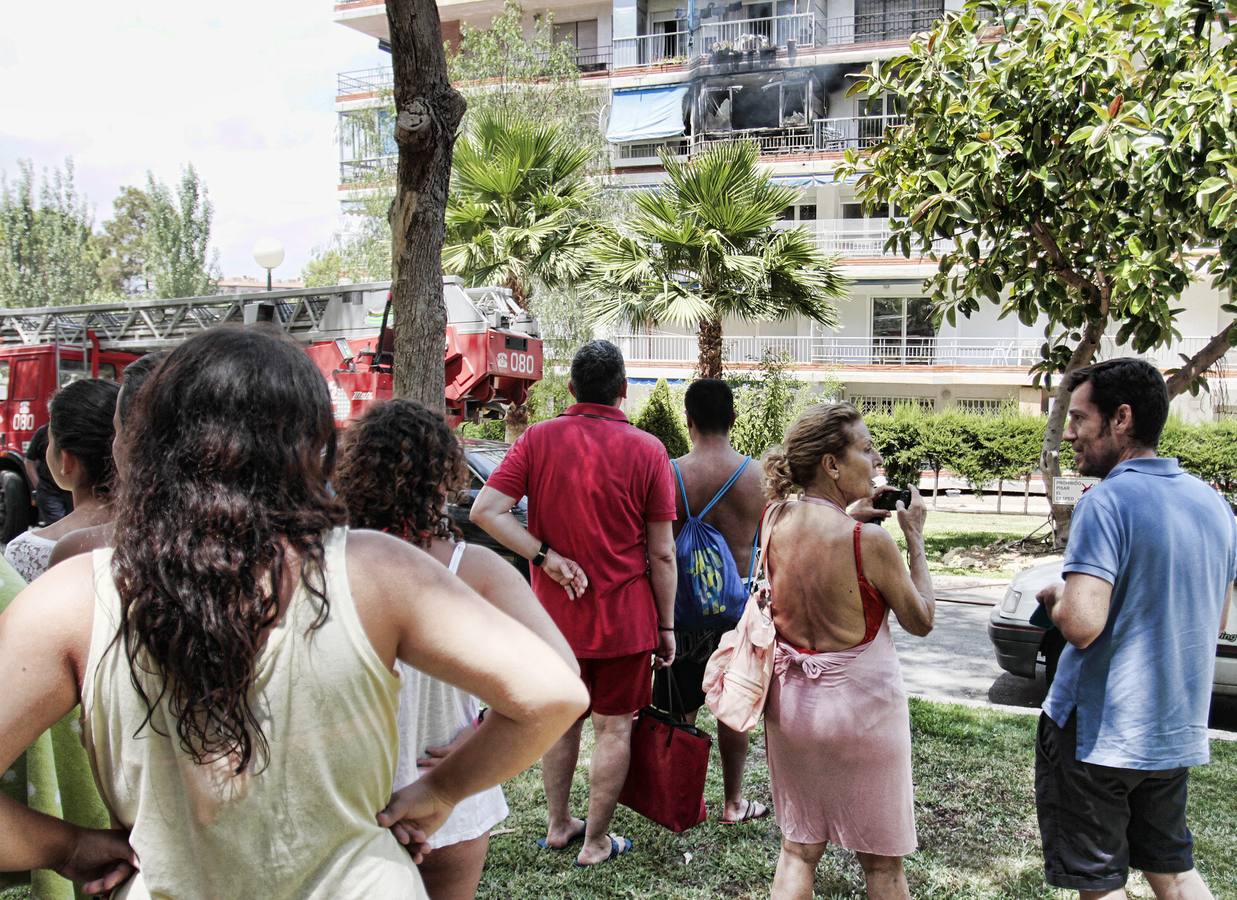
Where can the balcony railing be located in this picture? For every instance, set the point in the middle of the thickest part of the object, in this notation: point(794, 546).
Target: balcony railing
point(834, 351)
point(364, 81)
point(862, 132)
point(646, 154)
point(822, 136)
point(366, 171)
point(749, 35)
point(648, 49)
point(855, 237)
point(838, 351)
point(771, 141)
point(864, 29)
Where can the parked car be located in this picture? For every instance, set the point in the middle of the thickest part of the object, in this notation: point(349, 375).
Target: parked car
point(482, 458)
point(1020, 645)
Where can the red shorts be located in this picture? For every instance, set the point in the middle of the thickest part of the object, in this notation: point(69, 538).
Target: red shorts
point(618, 685)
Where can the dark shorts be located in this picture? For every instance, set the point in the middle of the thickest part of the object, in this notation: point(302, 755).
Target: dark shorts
point(617, 685)
point(691, 655)
point(1097, 822)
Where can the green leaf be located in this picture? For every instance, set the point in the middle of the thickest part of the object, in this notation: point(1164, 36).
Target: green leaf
point(938, 180)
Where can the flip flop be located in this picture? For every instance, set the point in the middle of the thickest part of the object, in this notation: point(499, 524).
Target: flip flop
point(616, 849)
point(576, 838)
point(749, 813)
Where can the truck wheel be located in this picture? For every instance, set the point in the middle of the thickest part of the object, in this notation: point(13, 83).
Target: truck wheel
point(14, 505)
point(1051, 647)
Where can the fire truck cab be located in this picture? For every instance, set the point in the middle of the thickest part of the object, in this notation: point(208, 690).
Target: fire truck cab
point(492, 355)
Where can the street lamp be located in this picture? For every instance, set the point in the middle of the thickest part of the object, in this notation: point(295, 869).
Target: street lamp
point(268, 253)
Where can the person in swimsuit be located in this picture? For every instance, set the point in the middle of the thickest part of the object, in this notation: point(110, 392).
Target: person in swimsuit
point(235, 656)
point(398, 464)
point(79, 455)
point(837, 725)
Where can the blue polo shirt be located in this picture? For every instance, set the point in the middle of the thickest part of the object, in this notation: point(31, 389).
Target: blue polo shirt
point(1167, 543)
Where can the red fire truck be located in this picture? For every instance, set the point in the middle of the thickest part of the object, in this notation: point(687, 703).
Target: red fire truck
point(493, 355)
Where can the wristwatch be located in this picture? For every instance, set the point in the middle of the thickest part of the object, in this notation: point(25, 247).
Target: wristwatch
point(539, 559)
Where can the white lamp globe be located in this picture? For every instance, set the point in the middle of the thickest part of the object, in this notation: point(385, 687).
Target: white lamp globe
point(268, 253)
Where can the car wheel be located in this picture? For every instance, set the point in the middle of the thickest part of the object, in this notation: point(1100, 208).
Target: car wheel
point(14, 505)
point(1051, 646)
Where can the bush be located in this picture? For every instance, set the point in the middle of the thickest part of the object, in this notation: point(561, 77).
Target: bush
point(766, 405)
point(661, 418)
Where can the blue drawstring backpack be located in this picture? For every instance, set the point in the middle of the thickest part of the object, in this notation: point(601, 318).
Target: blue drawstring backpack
point(710, 593)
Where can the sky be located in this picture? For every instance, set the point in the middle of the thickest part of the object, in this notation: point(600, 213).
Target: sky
point(242, 90)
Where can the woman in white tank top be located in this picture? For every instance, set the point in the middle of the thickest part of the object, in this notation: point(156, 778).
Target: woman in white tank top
point(235, 658)
point(398, 464)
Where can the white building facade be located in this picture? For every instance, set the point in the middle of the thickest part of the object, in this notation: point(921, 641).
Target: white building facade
point(682, 77)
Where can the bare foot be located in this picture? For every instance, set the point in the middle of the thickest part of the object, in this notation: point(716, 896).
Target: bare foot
point(607, 847)
point(562, 838)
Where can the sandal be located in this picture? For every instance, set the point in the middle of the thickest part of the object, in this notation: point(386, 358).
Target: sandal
point(616, 850)
point(753, 809)
point(576, 838)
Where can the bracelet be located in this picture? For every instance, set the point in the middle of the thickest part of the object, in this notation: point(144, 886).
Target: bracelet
point(665, 628)
point(539, 559)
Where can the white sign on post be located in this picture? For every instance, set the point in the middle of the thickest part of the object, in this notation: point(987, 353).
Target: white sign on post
point(1068, 489)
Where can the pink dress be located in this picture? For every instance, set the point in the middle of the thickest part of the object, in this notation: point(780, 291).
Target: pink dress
point(838, 738)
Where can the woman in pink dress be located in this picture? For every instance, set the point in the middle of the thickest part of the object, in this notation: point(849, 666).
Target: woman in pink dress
point(837, 726)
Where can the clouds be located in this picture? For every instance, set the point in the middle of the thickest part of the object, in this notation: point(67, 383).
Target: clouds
point(243, 90)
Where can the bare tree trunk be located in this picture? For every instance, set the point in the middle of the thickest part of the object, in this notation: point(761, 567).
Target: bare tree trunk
point(428, 112)
point(709, 339)
point(1000, 493)
point(936, 485)
point(1049, 461)
point(1026, 494)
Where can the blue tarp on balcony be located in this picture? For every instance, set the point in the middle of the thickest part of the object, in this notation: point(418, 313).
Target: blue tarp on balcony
point(646, 114)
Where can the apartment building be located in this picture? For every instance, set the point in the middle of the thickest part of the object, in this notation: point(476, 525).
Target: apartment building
point(681, 75)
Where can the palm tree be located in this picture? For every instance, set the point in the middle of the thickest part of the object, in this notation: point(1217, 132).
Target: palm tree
point(704, 247)
point(517, 212)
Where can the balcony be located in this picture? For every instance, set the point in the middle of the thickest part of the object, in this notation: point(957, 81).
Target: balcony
point(860, 238)
point(669, 48)
point(868, 29)
point(821, 136)
point(364, 81)
point(362, 172)
point(751, 35)
point(834, 351)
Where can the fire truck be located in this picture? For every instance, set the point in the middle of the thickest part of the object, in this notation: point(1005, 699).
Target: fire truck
point(492, 355)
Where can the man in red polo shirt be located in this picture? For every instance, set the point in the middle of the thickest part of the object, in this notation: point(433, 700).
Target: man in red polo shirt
point(601, 542)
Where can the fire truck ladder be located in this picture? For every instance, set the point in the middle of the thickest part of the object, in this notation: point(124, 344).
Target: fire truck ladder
point(144, 325)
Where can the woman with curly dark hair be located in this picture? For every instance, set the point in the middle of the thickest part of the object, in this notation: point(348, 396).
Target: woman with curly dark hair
point(399, 464)
point(234, 657)
point(79, 455)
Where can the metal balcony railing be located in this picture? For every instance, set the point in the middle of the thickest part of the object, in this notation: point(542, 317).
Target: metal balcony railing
point(751, 35)
point(862, 132)
point(646, 154)
point(648, 49)
point(856, 237)
point(364, 81)
point(771, 141)
point(838, 351)
point(364, 171)
point(866, 29)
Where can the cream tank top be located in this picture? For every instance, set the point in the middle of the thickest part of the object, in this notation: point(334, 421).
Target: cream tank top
point(302, 827)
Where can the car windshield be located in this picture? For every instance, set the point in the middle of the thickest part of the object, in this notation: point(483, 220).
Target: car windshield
point(484, 462)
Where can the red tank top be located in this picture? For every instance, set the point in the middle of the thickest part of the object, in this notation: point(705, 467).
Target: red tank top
point(874, 605)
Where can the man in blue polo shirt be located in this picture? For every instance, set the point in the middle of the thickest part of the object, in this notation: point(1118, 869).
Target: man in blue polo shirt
point(1152, 555)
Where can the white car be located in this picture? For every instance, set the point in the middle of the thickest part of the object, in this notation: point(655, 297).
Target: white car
point(1019, 645)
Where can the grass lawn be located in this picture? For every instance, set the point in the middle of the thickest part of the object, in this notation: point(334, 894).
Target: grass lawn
point(974, 807)
point(975, 811)
point(945, 531)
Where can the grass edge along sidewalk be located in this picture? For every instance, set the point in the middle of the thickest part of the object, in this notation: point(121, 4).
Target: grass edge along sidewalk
point(974, 807)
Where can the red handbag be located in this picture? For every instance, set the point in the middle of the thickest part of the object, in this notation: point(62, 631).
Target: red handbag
point(669, 761)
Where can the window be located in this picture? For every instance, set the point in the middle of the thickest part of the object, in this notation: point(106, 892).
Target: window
point(4, 379)
point(72, 370)
point(800, 212)
point(903, 332)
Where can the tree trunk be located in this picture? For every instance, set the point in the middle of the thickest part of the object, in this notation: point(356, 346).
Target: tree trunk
point(710, 342)
point(428, 113)
point(1026, 494)
point(936, 485)
point(1049, 460)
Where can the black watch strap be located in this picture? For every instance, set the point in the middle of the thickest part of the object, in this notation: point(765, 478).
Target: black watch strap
point(539, 559)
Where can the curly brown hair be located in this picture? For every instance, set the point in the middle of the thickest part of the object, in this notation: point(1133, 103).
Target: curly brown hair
point(398, 464)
